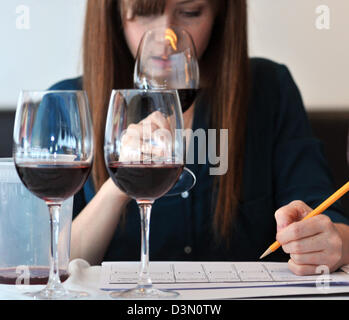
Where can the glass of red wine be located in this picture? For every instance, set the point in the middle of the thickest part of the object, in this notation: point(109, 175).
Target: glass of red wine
point(144, 155)
point(53, 154)
point(166, 59)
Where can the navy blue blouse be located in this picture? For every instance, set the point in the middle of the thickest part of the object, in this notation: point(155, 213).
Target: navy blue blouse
point(283, 162)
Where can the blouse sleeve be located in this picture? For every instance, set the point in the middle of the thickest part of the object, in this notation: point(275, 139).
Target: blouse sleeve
point(301, 171)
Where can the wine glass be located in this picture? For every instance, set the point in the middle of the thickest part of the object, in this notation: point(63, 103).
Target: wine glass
point(166, 59)
point(143, 151)
point(53, 152)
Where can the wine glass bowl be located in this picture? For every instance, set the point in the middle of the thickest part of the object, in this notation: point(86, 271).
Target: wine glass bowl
point(53, 153)
point(166, 59)
point(144, 151)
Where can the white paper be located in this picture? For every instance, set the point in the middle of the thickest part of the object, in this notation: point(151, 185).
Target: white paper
point(88, 278)
point(205, 275)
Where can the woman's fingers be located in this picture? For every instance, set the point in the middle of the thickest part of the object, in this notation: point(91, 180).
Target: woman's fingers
point(302, 270)
point(303, 229)
point(311, 258)
point(306, 245)
point(158, 119)
point(141, 131)
point(150, 139)
point(294, 211)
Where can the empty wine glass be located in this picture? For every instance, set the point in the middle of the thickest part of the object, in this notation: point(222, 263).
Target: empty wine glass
point(144, 155)
point(53, 152)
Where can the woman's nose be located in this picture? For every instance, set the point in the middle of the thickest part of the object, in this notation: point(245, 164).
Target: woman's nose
point(164, 21)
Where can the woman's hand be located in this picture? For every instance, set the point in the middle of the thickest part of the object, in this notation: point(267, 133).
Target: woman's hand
point(310, 243)
point(150, 139)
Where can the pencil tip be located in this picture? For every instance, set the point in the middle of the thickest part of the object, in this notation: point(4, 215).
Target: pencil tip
point(268, 251)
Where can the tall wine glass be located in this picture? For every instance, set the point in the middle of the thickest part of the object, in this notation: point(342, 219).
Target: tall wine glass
point(144, 156)
point(53, 152)
point(166, 59)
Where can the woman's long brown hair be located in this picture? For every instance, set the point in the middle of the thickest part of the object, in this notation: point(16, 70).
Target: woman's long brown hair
point(108, 64)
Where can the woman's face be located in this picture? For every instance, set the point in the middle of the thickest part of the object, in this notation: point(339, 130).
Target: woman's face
point(196, 16)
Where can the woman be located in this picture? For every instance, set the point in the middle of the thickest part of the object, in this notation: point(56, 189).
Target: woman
point(276, 170)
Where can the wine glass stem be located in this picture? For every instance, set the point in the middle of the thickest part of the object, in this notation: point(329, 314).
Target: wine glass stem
point(144, 276)
point(54, 281)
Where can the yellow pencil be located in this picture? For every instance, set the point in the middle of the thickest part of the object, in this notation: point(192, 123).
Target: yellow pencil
point(320, 209)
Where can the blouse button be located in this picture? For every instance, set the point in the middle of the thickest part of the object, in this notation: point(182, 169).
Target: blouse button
point(185, 194)
point(187, 249)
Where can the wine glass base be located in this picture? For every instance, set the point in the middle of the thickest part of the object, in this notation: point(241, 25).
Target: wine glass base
point(145, 293)
point(61, 294)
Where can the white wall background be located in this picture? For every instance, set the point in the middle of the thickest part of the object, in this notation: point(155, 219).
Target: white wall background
point(49, 51)
point(285, 31)
point(282, 30)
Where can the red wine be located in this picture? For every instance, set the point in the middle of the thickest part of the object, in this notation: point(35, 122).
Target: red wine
point(53, 182)
point(145, 181)
point(187, 97)
point(37, 275)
